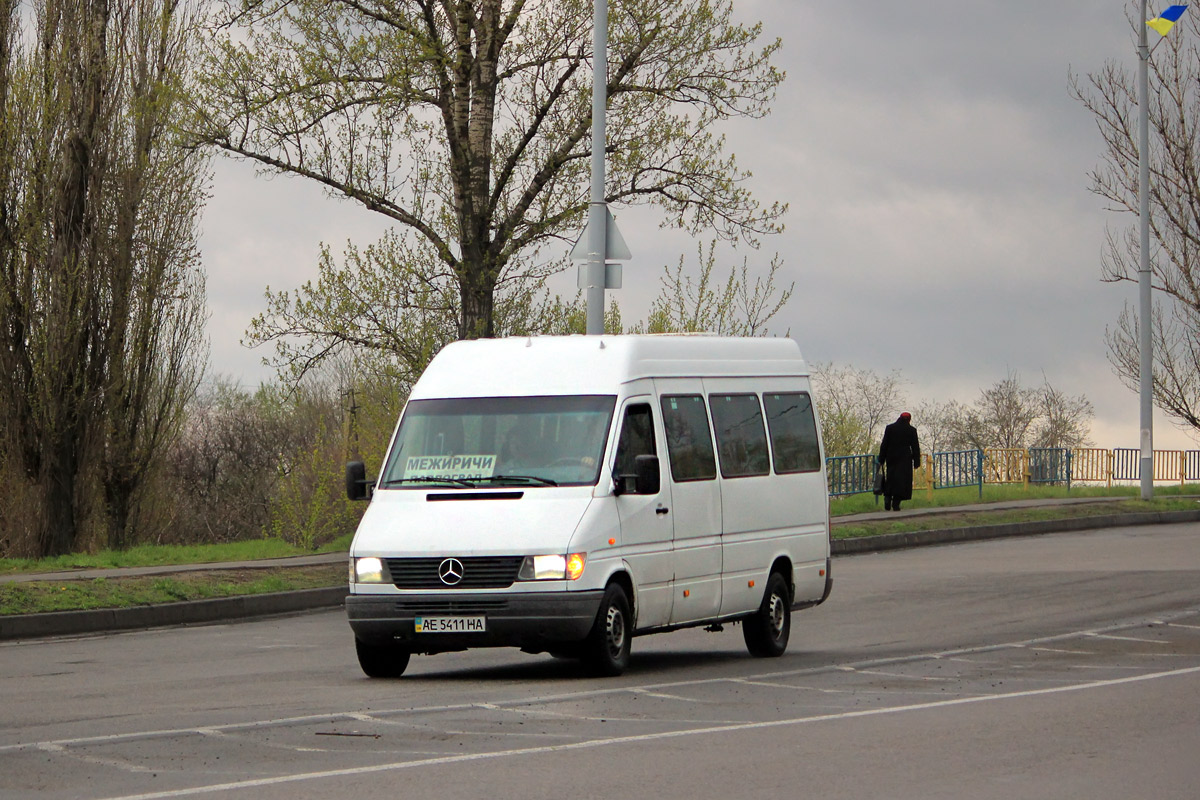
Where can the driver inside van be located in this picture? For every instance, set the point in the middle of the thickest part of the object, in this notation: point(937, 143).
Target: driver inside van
point(524, 447)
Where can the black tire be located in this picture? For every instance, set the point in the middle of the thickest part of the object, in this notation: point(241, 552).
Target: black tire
point(767, 632)
point(606, 649)
point(381, 660)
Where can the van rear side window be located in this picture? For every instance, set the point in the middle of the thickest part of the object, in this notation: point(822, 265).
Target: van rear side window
point(741, 438)
point(689, 444)
point(793, 432)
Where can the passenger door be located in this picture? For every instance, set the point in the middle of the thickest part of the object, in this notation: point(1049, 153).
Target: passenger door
point(750, 496)
point(645, 519)
point(690, 463)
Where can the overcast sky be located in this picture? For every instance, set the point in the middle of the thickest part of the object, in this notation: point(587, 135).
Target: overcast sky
point(940, 223)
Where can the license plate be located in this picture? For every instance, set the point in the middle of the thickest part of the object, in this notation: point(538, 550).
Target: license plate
point(451, 624)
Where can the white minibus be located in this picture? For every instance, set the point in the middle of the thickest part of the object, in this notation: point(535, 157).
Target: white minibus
point(564, 494)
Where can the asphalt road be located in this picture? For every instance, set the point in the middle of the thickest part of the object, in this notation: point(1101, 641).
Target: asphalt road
point(1035, 667)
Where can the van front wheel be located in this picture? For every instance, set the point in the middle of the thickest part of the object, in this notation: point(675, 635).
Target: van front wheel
point(767, 632)
point(381, 660)
point(606, 650)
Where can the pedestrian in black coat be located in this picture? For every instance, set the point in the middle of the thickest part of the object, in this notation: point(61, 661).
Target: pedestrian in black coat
point(900, 453)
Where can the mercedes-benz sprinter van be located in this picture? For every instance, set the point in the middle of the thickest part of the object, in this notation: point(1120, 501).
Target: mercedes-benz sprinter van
point(565, 494)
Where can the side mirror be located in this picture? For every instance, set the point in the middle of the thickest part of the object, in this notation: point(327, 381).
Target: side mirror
point(648, 480)
point(357, 485)
point(644, 480)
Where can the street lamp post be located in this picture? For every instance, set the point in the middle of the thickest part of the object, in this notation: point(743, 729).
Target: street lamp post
point(1146, 361)
point(597, 245)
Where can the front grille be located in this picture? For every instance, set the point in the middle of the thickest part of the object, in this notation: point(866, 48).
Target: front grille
point(451, 606)
point(478, 572)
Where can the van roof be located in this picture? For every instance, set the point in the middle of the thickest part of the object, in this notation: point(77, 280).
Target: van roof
point(578, 364)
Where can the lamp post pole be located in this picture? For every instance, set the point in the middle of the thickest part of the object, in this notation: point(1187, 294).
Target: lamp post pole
point(597, 245)
point(1146, 361)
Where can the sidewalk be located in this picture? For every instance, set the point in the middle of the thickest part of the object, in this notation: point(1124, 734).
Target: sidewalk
point(66, 623)
point(935, 535)
point(998, 506)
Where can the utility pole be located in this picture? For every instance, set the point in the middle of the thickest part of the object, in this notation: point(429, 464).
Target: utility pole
point(597, 229)
point(1146, 361)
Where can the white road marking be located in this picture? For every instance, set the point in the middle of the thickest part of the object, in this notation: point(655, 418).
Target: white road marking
point(114, 763)
point(1124, 638)
point(665, 696)
point(883, 674)
point(381, 715)
point(647, 737)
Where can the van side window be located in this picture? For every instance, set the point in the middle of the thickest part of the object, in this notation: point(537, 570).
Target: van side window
point(741, 437)
point(636, 439)
point(793, 432)
point(689, 443)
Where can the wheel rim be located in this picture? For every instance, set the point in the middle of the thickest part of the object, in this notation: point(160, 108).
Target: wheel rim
point(614, 627)
point(777, 616)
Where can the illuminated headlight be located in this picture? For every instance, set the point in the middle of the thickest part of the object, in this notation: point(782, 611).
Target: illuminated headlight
point(552, 568)
point(366, 570)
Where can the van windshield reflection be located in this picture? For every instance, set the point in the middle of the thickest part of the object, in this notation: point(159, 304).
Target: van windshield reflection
point(498, 441)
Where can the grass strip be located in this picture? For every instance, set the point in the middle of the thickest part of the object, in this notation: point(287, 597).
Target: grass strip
point(125, 592)
point(151, 555)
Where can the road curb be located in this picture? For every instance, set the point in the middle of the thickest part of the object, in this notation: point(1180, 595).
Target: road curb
point(978, 533)
point(106, 620)
point(73, 623)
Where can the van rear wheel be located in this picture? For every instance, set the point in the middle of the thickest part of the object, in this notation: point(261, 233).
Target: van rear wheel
point(382, 660)
point(767, 632)
point(606, 649)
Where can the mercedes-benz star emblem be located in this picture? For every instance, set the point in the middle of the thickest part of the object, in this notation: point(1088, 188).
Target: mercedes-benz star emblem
point(450, 571)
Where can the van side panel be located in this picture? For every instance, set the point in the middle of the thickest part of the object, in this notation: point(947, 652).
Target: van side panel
point(696, 522)
point(765, 517)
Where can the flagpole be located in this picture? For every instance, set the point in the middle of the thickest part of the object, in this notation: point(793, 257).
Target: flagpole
point(1145, 342)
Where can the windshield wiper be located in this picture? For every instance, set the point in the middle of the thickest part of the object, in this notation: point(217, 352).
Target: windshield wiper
point(432, 479)
point(519, 479)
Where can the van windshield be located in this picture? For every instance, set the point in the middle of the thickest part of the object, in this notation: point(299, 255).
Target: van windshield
point(494, 441)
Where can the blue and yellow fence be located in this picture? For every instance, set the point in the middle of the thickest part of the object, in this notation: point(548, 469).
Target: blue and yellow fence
point(1038, 465)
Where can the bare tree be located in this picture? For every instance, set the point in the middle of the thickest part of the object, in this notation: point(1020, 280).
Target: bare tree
point(225, 467)
point(1174, 195)
point(1010, 415)
point(932, 418)
point(854, 406)
point(734, 307)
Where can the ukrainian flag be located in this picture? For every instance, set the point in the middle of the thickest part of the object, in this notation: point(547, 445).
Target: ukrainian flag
point(1167, 19)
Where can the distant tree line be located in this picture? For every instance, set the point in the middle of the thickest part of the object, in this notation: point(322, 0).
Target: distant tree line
point(856, 404)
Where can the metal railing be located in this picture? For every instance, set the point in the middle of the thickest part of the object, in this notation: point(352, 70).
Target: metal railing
point(958, 468)
point(850, 474)
point(1093, 465)
point(1050, 465)
point(1039, 465)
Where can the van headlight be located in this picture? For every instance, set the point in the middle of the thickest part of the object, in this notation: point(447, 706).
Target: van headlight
point(552, 567)
point(366, 570)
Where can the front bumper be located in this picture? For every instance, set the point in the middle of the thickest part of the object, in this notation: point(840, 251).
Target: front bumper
point(534, 621)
